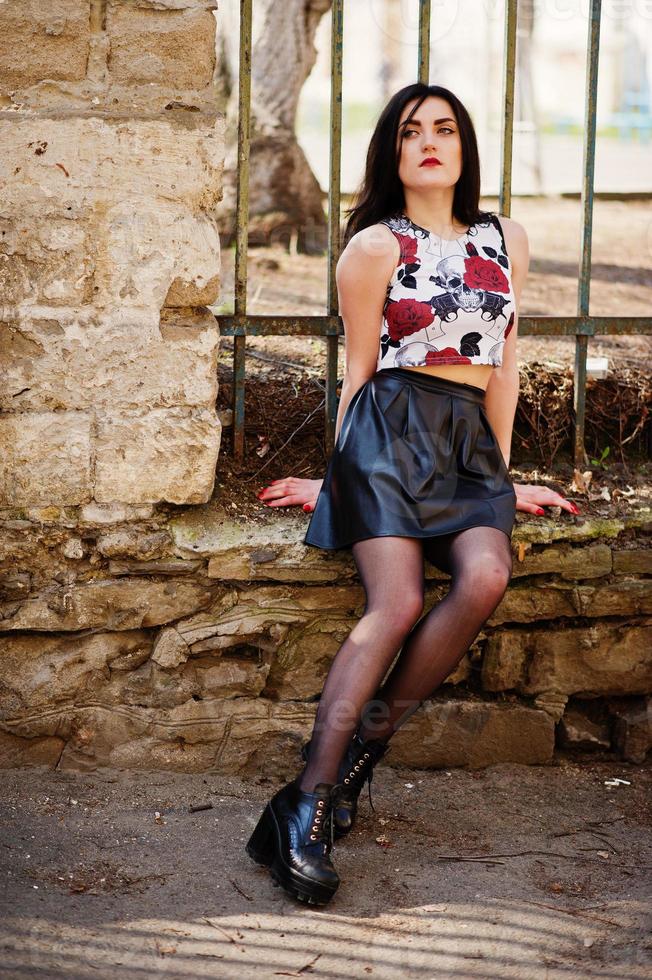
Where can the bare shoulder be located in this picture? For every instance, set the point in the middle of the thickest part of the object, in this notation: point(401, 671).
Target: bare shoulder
point(515, 233)
point(373, 249)
point(516, 243)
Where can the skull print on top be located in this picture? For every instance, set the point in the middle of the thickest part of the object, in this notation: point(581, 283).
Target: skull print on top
point(448, 301)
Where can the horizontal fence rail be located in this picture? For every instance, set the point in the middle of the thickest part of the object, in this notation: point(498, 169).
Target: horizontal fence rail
point(330, 326)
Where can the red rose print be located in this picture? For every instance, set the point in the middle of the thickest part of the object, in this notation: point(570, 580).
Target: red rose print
point(432, 356)
point(406, 317)
point(482, 273)
point(509, 325)
point(408, 249)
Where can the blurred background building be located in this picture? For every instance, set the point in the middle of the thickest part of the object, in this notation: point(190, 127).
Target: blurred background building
point(466, 55)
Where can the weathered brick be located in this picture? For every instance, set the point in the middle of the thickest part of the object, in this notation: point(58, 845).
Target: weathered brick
point(174, 47)
point(569, 563)
point(473, 733)
point(602, 659)
point(41, 41)
point(45, 458)
point(117, 361)
point(635, 562)
point(166, 454)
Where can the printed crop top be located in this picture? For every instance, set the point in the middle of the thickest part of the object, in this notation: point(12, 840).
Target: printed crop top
point(448, 301)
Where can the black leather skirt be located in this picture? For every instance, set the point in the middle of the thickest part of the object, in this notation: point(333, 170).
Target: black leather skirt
point(415, 457)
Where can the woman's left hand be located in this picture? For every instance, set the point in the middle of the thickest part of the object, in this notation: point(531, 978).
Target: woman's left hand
point(532, 498)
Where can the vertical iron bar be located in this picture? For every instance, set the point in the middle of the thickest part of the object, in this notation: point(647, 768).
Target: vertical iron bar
point(424, 41)
point(583, 287)
point(506, 145)
point(334, 182)
point(242, 223)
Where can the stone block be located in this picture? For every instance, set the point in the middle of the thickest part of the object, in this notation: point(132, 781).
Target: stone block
point(44, 262)
point(45, 458)
point(300, 665)
point(149, 44)
point(632, 730)
point(474, 734)
point(142, 192)
point(166, 454)
point(248, 736)
point(110, 604)
point(624, 597)
point(94, 514)
point(227, 677)
point(637, 561)
point(203, 678)
point(40, 41)
point(16, 752)
point(40, 672)
point(598, 660)
point(133, 543)
point(568, 563)
point(526, 604)
point(92, 361)
point(170, 649)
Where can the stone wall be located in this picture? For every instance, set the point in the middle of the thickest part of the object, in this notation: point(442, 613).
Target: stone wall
point(139, 635)
point(186, 641)
point(110, 167)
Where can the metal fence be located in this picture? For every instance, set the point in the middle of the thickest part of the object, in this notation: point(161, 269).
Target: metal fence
point(240, 325)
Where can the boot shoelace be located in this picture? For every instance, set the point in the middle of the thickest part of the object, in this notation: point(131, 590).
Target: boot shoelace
point(321, 823)
point(360, 772)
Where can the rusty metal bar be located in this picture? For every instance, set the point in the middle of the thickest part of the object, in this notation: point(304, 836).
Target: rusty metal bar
point(423, 68)
point(506, 143)
point(334, 181)
point(331, 326)
point(242, 224)
point(580, 457)
point(276, 326)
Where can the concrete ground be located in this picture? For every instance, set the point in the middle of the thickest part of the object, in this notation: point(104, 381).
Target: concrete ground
point(511, 871)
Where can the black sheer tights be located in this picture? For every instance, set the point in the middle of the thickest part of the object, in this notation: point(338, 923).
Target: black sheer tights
point(391, 571)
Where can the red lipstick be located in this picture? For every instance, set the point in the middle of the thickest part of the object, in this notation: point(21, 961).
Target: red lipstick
point(430, 162)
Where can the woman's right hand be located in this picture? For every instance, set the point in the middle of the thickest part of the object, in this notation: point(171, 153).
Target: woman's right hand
point(291, 491)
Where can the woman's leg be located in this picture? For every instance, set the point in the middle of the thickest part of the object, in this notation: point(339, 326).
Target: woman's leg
point(479, 559)
point(391, 571)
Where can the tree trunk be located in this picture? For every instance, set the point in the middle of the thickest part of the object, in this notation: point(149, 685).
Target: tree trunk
point(285, 199)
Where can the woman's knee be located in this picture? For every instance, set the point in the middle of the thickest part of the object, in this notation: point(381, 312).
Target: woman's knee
point(407, 610)
point(486, 576)
point(401, 612)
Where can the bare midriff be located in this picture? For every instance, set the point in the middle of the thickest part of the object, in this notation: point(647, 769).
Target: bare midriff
point(469, 374)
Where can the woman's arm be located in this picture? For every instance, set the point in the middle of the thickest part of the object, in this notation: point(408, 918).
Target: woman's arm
point(501, 396)
point(362, 275)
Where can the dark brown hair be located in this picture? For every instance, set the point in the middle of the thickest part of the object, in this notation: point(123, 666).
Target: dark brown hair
point(381, 194)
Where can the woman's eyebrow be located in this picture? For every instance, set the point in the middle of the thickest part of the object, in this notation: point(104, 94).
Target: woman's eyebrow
point(417, 122)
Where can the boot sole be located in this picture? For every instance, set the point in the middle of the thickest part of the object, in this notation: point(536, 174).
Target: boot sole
point(264, 848)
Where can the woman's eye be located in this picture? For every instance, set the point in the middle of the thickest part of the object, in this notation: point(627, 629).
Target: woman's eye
point(445, 129)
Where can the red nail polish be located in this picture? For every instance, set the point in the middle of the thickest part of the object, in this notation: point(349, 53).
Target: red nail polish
point(541, 511)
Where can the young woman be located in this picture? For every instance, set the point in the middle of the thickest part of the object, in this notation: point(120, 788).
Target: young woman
point(420, 464)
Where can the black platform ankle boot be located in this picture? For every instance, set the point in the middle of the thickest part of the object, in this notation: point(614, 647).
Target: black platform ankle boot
point(355, 769)
point(294, 838)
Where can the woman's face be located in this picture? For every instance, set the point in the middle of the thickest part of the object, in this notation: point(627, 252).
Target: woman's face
point(437, 136)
